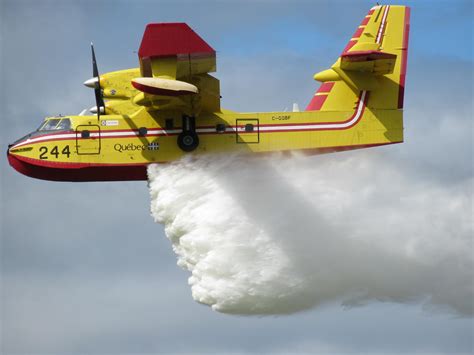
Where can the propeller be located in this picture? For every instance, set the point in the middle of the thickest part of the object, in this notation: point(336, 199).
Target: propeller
point(94, 82)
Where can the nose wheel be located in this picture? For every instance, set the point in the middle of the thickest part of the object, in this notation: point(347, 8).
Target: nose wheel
point(188, 139)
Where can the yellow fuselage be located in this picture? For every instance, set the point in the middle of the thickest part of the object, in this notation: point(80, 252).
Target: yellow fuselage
point(117, 142)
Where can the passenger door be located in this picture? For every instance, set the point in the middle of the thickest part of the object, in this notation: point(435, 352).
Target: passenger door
point(88, 139)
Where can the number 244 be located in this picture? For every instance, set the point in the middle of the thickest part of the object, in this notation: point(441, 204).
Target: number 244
point(55, 151)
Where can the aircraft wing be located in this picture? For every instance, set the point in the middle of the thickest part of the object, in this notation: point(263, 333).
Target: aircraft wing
point(175, 64)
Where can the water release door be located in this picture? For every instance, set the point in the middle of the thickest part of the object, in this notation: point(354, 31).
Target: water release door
point(88, 139)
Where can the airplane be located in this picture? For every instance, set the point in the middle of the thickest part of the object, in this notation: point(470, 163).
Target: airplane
point(170, 107)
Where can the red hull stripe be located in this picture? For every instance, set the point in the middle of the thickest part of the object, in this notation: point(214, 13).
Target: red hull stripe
point(403, 69)
point(66, 165)
point(131, 172)
point(86, 173)
point(365, 21)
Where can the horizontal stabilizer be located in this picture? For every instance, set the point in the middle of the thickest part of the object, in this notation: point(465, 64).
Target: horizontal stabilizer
point(375, 62)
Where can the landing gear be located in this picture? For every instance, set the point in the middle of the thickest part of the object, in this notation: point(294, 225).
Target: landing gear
point(188, 139)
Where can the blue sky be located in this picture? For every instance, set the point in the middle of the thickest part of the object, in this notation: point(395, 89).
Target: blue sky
point(85, 269)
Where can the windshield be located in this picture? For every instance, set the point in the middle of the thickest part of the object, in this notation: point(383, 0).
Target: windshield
point(52, 124)
point(56, 124)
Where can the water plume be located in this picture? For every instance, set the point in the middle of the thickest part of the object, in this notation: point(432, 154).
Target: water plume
point(278, 235)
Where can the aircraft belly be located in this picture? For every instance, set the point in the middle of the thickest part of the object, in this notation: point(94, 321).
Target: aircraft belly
point(58, 171)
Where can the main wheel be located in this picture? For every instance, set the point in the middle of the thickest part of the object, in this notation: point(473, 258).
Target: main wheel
point(188, 141)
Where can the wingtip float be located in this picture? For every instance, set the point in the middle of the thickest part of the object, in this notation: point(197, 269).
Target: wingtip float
point(170, 106)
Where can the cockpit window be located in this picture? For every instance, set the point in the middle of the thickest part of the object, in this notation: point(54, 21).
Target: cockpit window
point(49, 125)
point(56, 124)
point(64, 124)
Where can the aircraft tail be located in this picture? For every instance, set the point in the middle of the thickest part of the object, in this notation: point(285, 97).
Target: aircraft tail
point(374, 61)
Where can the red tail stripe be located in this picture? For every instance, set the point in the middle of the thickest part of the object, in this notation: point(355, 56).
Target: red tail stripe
point(316, 103)
point(349, 46)
point(325, 87)
point(358, 33)
point(403, 69)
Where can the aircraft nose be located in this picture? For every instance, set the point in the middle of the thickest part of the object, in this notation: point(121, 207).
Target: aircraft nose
point(10, 154)
point(8, 149)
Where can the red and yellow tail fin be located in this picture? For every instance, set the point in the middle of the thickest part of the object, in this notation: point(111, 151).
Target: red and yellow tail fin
point(374, 60)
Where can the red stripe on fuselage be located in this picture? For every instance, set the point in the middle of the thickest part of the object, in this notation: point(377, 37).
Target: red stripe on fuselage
point(200, 130)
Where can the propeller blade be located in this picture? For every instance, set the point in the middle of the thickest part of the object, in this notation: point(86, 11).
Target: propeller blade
point(95, 70)
point(97, 91)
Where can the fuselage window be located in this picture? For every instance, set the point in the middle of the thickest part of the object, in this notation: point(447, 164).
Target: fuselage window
point(169, 123)
point(249, 127)
point(220, 128)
